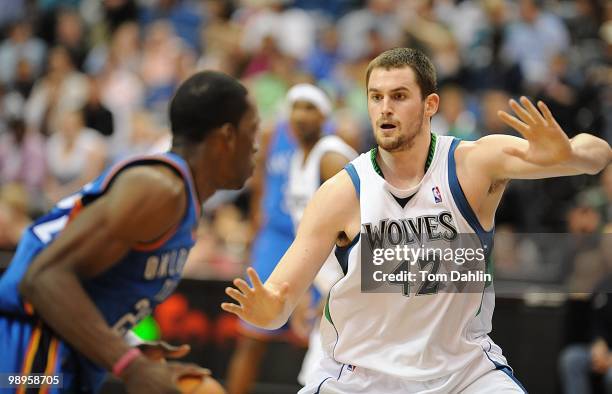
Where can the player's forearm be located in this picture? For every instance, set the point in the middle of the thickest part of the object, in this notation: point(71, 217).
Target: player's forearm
point(59, 299)
point(590, 154)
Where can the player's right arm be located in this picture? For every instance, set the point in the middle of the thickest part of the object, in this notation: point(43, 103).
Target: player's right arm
point(332, 213)
point(143, 204)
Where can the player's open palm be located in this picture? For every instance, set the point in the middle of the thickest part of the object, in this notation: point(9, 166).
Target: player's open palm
point(548, 143)
point(258, 305)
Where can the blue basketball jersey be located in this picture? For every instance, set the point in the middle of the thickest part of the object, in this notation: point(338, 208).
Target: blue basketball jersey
point(129, 290)
point(275, 212)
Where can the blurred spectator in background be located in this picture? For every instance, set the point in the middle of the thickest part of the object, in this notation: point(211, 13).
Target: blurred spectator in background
point(325, 56)
point(292, 29)
point(22, 159)
point(14, 216)
point(184, 16)
point(12, 10)
point(491, 102)
point(75, 156)
point(97, 116)
point(61, 88)
point(221, 38)
point(210, 258)
point(20, 46)
point(490, 68)
point(70, 33)
point(118, 12)
point(578, 362)
point(159, 68)
point(534, 39)
point(377, 24)
point(146, 137)
point(453, 118)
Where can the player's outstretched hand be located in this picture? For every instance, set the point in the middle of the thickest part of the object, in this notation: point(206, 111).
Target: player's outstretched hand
point(144, 376)
point(258, 305)
point(548, 143)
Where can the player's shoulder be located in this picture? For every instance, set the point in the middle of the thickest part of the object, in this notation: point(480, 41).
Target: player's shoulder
point(152, 180)
point(340, 188)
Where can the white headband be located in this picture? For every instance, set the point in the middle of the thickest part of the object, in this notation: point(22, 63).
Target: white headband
point(312, 94)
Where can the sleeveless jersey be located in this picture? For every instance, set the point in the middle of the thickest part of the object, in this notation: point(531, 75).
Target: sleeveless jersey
point(145, 276)
point(424, 333)
point(305, 177)
point(276, 215)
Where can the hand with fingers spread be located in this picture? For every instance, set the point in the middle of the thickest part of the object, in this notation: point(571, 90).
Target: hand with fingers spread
point(548, 143)
point(260, 305)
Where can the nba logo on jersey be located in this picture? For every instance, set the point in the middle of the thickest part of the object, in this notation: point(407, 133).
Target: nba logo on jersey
point(436, 194)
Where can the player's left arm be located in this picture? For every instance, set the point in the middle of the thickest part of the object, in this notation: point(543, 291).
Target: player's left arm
point(544, 152)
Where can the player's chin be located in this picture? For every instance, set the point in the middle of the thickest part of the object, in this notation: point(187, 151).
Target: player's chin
point(389, 143)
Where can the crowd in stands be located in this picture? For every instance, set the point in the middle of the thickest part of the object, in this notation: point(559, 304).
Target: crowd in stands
point(85, 83)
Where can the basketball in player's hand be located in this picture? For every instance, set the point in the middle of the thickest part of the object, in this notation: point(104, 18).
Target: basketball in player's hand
point(191, 384)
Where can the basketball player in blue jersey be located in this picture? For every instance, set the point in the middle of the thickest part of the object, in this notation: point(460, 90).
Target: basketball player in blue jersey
point(273, 222)
point(420, 340)
point(102, 259)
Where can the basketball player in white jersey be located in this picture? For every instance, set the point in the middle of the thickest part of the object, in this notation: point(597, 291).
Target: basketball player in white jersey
point(415, 341)
point(317, 159)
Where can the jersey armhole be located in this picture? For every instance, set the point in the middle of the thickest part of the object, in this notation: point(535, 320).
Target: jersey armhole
point(350, 169)
point(486, 237)
point(154, 243)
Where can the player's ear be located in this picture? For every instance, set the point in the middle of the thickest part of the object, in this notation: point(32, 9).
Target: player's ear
point(432, 102)
point(228, 134)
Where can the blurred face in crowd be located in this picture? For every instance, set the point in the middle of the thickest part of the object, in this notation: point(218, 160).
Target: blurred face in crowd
point(397, 110)
point(306, 121)
point(71, 125)
point(528, 10)
point(59, 60)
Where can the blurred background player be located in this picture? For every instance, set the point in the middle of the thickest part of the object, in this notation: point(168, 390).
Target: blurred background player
point(281, 201)
point(318, 158)
point(103, 258)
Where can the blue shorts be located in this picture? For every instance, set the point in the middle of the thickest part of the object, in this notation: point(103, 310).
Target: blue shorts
point(29, 347)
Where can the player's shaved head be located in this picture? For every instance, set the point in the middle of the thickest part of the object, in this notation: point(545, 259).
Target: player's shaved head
point(205, 101)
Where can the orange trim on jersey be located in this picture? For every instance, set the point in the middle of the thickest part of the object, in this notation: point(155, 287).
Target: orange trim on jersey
point(148, 246)
point(76, 209)
point(51, 363)
point(29, 355)
point(28, 308)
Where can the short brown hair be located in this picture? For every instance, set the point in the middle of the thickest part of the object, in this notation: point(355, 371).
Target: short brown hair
point(407, 57)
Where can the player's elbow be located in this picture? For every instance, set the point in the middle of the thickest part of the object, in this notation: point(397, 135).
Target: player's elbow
point(34, 282)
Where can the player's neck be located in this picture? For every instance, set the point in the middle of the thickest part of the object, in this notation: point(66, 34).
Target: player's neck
point(405, 169)
point(203, 183)
point(307, 146)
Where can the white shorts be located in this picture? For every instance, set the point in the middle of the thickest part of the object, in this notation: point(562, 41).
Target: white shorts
point(483, 377)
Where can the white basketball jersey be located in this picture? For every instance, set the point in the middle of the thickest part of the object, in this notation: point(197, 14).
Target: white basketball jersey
point(422, 335)
point(304, 181)
point(305, 175)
